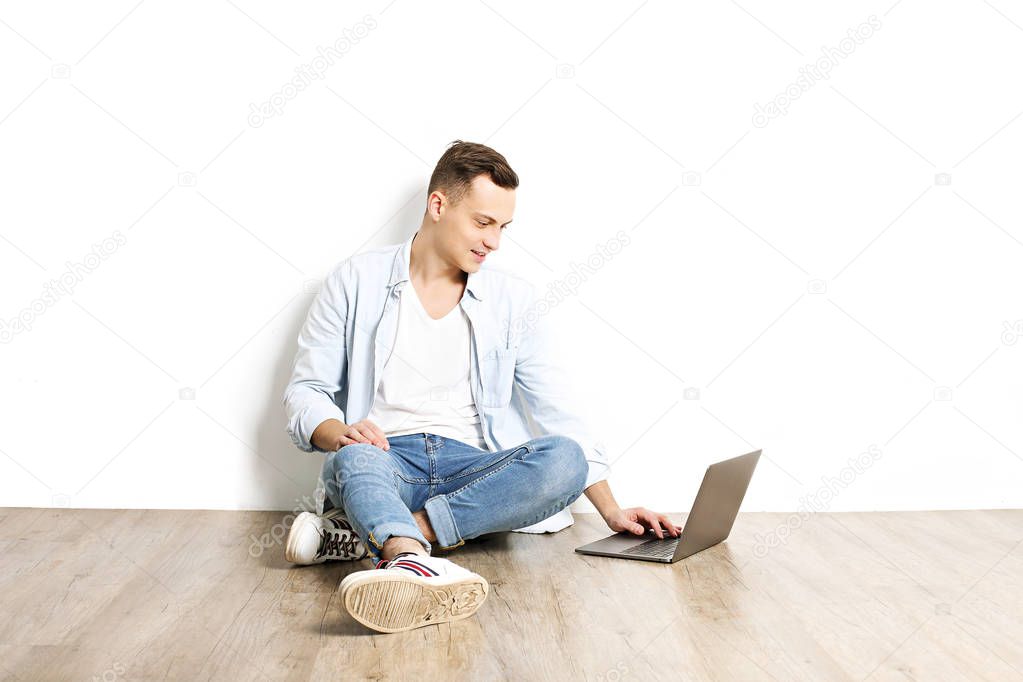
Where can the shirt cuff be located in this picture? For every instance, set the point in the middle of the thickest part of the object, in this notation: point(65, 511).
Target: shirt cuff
point(598, 472)
point(314, 416)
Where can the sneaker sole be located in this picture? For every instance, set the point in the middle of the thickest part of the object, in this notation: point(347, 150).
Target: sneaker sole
point(393, 601)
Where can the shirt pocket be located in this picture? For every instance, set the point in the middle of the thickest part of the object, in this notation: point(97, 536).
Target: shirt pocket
point(498, 374)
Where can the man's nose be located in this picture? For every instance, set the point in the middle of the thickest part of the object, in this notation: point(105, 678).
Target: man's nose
point(493, 241)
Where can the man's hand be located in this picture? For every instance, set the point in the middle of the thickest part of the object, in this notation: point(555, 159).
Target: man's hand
point(637, 519)
point(334, 434)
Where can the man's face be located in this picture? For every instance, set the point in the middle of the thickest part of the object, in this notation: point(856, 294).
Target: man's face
point(475, 223)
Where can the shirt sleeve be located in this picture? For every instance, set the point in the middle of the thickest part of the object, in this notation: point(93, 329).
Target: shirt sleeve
point(547, 390)
point(319, 366)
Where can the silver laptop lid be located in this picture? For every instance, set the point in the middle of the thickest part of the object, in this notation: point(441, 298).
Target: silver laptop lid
point(717, 503)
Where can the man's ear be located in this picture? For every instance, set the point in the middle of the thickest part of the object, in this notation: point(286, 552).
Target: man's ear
point(436, 205)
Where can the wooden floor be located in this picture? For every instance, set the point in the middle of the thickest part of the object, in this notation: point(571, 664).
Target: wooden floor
point(192, 595)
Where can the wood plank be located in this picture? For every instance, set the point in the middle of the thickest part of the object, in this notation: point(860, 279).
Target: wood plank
point(163, 594)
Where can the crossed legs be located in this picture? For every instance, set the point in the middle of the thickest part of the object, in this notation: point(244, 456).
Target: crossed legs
point(495, 491)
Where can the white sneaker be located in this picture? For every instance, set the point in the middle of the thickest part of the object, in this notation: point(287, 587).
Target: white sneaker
point(314, 539)
point(412, 590)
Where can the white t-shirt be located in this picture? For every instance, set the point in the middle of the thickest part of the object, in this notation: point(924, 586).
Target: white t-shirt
point(424, 385)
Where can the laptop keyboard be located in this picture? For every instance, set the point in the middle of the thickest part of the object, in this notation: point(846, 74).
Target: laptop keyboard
point(661, 549)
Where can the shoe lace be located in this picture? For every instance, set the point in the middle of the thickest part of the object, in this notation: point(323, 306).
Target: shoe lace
point(339, 544)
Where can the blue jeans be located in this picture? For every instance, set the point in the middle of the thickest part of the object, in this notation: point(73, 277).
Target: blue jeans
point(465, 491)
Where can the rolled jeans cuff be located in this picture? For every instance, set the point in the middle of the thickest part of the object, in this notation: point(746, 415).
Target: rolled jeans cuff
point(443, 522)
point(378, 535)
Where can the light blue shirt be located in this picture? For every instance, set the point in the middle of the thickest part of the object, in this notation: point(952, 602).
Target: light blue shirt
point(349, 335)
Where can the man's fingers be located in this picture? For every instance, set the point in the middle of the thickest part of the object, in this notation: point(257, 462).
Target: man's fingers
point(374, 433)
point(370, 434)
point(381, 437)
point(651, 518)
point(355, 434)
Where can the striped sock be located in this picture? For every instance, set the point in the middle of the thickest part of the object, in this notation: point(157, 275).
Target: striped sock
point(407, 561)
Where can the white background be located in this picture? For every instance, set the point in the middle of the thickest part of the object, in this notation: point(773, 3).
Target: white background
point(811, 280)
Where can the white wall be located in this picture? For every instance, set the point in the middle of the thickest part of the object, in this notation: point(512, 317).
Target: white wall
point(808, 276)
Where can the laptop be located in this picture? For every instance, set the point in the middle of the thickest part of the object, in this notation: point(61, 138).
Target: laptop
point(710, 521)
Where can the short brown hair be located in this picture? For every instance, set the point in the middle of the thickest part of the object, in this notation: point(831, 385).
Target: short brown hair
point(462, 162)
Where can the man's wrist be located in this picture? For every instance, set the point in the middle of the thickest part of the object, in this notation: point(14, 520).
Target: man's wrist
point(599, 494)
point(326, 434)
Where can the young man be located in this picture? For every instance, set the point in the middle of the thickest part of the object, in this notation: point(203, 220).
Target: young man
point(404, 377)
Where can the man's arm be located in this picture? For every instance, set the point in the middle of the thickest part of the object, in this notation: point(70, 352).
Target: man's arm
point(547, 390)
point(600, 495)
point(319, 367)
point(315, 422)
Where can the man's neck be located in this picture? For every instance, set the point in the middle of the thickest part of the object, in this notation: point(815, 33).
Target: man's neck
point(427, 269)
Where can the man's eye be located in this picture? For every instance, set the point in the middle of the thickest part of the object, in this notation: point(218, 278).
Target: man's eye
point(481, 223)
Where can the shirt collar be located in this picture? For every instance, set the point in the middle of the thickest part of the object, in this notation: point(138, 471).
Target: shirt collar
point(400, 271)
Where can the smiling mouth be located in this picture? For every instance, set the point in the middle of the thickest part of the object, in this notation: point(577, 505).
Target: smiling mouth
point(477, 252)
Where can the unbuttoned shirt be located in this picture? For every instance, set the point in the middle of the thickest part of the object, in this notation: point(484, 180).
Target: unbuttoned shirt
point(350, 332)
